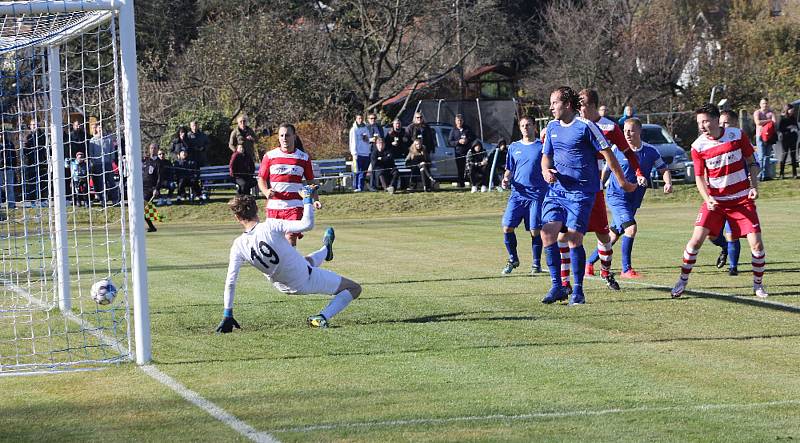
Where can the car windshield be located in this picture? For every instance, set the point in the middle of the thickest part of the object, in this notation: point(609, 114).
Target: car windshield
point(656, 135)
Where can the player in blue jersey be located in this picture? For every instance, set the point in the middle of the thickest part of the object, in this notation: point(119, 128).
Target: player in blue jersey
point(623, 204)
point(569, 164)
point(524, 176)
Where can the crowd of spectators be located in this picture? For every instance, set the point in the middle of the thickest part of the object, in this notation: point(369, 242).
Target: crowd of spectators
point(92, 162)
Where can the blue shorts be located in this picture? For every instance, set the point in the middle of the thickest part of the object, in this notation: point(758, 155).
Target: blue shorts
point(623, 214)
point(520, 209)
point(572, 209)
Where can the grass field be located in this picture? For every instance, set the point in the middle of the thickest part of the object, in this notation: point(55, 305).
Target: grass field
point(440, 347)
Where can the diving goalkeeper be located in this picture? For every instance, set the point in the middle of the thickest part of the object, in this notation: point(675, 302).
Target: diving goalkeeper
point(264, 245)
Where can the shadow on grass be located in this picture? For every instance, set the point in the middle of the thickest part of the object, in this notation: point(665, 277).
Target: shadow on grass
point(433, 280)
point(187, 267)
point(480, 347)
point(743, 300)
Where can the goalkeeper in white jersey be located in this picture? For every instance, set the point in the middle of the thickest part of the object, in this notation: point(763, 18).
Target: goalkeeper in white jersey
point(264, 246)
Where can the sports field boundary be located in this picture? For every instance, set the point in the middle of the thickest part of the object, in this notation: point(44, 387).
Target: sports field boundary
point(187, 394)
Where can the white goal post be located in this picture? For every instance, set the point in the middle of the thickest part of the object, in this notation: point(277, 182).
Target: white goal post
point(71, 206)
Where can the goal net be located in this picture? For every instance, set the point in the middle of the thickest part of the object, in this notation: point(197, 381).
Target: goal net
point(68, 188)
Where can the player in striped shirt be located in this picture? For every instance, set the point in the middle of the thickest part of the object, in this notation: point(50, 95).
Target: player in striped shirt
point(728, 193)
point(280, 179)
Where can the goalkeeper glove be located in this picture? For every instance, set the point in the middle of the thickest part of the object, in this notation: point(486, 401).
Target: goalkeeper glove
point(308, 194)
point(227, 324)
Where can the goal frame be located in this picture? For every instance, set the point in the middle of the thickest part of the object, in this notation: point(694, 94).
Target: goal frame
point(130, 112)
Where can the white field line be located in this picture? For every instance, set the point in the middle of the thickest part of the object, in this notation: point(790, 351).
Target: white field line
point(192, 397)
point(532, 416)
point(212, 409)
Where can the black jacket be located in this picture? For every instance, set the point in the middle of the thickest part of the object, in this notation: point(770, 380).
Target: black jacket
point(383, 160)
point(788, 128)
point(151, 173)
point(35, 148)
point(455, 138)
point(186, 169)
point(424, 132)
point(397, 142)
point(9, 154)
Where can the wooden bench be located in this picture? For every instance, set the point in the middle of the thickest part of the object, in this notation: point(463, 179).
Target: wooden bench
point(332, 174)
point(216, 177)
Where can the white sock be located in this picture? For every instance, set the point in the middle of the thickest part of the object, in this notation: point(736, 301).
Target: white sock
point(339, 302)
point(317, 257)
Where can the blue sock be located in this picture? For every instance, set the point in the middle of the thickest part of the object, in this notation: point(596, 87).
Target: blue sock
point(511, 245)
point(537, 251)
point(578, 257)
point(720, 241)
point(594, 257)
point(627, 249)
point(553, 257)
point(733, 253)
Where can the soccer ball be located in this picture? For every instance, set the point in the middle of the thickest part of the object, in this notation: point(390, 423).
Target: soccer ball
point(104, 291)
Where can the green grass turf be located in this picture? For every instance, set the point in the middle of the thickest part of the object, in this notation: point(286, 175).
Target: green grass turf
point(439, 335)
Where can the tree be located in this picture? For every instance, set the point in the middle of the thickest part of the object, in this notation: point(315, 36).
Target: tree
point(385, 45)
point(257, 65)
point(631, 51)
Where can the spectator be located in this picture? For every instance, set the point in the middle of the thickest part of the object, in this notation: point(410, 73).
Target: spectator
point(242, 171)
point(34, 169)
point(383, 166)
point(151, 177)
point(397, 140)
point(181, 143)
point(602, 110)
point(788, 128)
point(245, 136)
point(187, 174)
point(166, 179)
point(101, 153)
point(763, 117)
point(199, 142)
point(420, 163)
point(627, 113)
point(375, 132)
point(478, 167)
point(500, 163)
point(79, 175)
point(374, 127)
point(77, 140)
point(461, 138)
point(8, 165)
point(360, 149)
point(420, 130)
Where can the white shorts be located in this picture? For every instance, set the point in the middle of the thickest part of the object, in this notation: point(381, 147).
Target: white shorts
point(319, 281)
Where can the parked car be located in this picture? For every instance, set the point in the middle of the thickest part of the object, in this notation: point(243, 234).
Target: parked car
point(443, 157)
point(672, 154)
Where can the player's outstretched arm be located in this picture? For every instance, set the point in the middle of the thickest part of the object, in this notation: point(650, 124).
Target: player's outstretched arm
point(613, 164)
point(234, 264)
point(307, 222)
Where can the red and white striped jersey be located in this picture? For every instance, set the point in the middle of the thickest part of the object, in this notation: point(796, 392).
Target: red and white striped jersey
point(285, 173)
point(722, 162)
point(613, 134)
